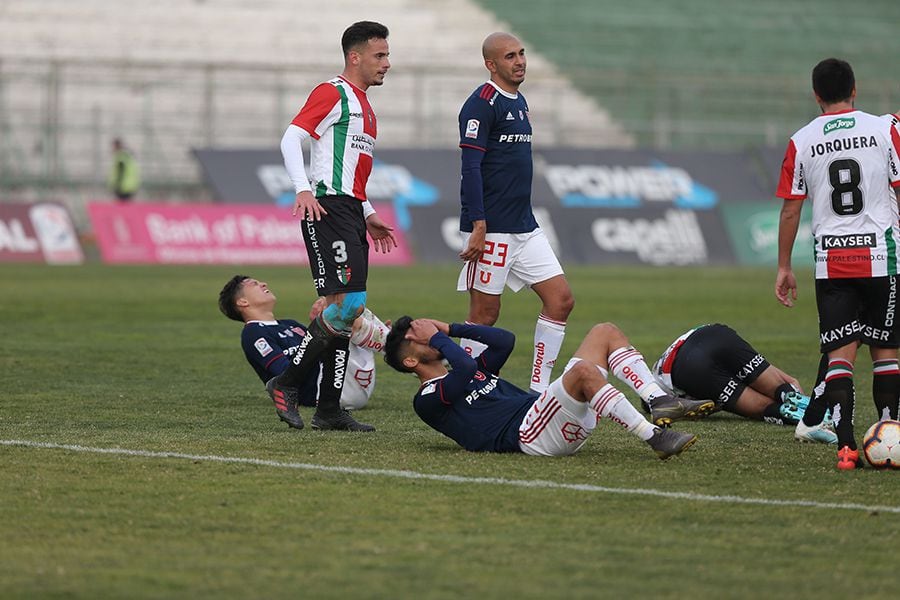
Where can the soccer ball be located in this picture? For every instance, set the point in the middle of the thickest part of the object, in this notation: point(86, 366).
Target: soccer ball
point(882, 445)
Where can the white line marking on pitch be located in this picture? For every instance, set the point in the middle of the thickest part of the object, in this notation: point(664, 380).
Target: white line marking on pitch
point(524, 483)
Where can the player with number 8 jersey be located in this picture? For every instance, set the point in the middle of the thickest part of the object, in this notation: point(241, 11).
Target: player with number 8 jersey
point(846, 162)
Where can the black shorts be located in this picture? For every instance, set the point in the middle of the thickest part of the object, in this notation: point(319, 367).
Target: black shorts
point(857, 310)
point(715, 363)
point(337, 246)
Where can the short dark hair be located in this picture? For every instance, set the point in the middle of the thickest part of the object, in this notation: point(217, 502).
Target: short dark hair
point(228, 297)
point(833, 80)
point(361, 32)
point(396, 344)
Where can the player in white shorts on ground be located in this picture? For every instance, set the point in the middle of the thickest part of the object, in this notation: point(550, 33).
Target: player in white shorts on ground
point(481, 412)
point(503, 245)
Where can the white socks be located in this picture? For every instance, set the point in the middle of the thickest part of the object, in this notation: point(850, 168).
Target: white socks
point(371, 332)
point(628, 365)
point(548, 339)
point(610, 403)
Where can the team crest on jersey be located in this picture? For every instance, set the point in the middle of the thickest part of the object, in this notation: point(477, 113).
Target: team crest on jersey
point(263, 347)
point(472, 128)
point(836, 124)
point(343, 274)
point(521, 116)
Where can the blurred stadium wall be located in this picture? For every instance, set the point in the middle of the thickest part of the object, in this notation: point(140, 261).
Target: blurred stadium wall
point(172, 75)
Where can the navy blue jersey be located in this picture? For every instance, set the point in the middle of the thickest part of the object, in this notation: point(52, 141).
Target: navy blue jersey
point(269, 346)
point(497, 125)
point(471, 404)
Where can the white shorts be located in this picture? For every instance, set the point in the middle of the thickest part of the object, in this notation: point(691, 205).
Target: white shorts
point(359, 383)
point(512, 259)
point(556, 424)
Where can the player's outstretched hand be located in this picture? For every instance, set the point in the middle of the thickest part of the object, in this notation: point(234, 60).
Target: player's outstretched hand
point(421, 331)
point(306, 206)
point(381, 234)
point(786, 287)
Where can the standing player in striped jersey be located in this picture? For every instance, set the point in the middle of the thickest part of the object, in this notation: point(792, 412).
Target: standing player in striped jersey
point(339, 119)
point(481, 412)
point(503, 244)
point(846, 162)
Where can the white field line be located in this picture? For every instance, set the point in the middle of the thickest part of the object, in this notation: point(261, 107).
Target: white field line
point(499, 481)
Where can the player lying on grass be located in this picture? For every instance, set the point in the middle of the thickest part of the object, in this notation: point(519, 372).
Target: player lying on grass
point(269, 344)
point(713, 362)
point(472, 405)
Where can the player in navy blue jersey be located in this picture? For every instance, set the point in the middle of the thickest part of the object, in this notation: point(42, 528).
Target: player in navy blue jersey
point(482, 412)
point(503, 244)
point(269, 344)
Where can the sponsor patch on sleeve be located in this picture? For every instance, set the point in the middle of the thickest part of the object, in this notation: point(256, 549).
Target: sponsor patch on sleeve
point(472, 128)
point(263, 347)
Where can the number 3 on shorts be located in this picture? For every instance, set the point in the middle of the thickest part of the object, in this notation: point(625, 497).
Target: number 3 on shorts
point(340, 251)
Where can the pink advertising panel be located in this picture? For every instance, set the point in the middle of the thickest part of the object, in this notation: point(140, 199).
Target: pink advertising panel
point(41, 232)
point(213, 234)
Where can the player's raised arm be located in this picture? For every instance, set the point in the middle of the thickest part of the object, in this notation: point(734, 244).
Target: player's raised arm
point(499, 344)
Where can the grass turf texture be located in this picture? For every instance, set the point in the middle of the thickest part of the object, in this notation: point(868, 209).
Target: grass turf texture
point(140, 358)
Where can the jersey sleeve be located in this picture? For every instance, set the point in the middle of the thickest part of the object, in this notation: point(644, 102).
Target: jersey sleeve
point(894, 155)
point(499, 344)
point(453, 386)
point(321, 110)
point(263, 353)
point(791, 184)
point(476, 118)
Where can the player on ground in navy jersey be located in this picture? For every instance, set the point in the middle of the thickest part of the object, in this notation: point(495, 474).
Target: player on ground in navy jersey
point(846, 162)
point(332, 202)
point(472, 405)
point(503, 245)
point(269, 344)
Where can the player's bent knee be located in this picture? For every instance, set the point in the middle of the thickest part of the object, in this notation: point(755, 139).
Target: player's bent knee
point(581, 372)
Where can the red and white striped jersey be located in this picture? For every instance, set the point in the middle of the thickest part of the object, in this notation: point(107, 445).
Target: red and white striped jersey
point(342, 124)
point(847, 164)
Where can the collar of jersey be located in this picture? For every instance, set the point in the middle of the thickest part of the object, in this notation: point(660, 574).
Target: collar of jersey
point(839, 112)
point(350, 83)
point(504, 93)
point(263, 322)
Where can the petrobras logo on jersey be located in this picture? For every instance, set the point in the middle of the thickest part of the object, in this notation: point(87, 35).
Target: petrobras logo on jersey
point(836, 124)
point(484, 390)
point(263, 347)
point(513, 138)
point(674, 239)
point(472, 128)
point(627, 186)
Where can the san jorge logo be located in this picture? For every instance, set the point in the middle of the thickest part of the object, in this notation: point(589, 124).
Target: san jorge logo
point(836, 124)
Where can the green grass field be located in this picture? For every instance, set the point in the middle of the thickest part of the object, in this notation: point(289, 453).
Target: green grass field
point(139, 358)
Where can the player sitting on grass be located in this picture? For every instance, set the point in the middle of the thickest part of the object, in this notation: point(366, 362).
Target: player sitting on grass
point(713, 362)
point(472, 405)
point(269, 344)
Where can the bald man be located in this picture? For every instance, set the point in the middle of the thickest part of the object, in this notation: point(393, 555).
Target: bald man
point(503, 246)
